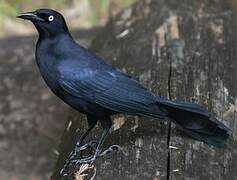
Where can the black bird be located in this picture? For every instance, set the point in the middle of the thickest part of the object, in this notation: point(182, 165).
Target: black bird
point(94, 87)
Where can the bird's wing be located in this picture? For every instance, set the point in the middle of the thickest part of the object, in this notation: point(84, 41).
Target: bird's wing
point(110, 89)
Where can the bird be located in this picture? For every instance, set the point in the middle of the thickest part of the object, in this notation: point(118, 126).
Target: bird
point(94, 87)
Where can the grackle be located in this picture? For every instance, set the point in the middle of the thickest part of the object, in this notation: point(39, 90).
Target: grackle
point(94, 87)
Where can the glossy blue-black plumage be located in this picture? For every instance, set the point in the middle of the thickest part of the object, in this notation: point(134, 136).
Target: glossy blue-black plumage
point(94, 87)
point(89, 84)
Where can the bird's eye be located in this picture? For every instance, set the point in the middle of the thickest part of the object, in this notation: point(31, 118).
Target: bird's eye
point(51, 18)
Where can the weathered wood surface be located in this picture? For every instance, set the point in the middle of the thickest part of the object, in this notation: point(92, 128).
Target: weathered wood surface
point(207, 72)
point(182, 49)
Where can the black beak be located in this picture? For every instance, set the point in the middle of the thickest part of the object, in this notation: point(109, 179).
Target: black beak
point(31, 16)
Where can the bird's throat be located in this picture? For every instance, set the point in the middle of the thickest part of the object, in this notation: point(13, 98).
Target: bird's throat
point(45, 33)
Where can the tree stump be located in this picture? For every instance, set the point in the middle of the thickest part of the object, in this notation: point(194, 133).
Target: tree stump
point(181, 50)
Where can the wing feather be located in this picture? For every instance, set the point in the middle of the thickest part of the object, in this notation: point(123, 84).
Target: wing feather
point(111, 90)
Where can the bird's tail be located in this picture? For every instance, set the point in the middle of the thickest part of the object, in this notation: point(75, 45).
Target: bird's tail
point(196, 121)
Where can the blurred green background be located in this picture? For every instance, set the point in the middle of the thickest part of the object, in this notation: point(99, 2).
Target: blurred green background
point(78, 13)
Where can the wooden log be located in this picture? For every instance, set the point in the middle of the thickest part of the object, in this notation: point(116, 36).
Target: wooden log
point(181, 50)
point(206, 73)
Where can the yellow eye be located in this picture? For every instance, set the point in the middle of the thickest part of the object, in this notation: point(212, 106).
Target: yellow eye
point(51, 18)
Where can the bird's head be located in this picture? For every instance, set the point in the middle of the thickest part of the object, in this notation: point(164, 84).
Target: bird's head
point(48, 22)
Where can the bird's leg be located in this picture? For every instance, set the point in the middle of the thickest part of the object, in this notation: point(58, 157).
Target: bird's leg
point(79, 147)
point(99, 146)
point(106, 125)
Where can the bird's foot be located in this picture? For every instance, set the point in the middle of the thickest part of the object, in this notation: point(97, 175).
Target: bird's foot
point(109, 150)
point(87, 160)
point(78, 148)
point(97, 154)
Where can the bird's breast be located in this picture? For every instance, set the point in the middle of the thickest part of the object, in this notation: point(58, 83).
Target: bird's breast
point(48, 71)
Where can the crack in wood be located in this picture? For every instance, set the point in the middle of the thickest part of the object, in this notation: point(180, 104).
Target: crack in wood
point(169, 96)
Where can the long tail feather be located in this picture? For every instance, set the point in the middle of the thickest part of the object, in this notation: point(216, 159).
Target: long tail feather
point(196, 121)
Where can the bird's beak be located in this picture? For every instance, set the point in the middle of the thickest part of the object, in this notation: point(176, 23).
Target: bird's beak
point(31, 16)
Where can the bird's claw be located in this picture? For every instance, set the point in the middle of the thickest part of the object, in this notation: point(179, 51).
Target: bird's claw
point(109, 150)
point(87, 160)
point(78, 148)
point(92, 158)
